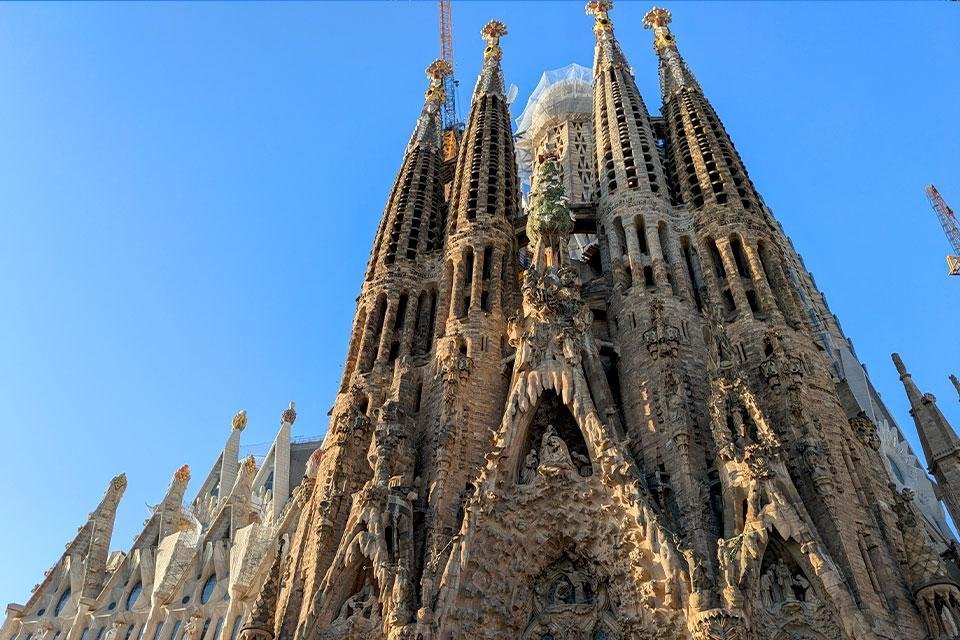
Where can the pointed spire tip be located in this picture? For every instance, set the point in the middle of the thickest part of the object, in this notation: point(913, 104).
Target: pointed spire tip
point(289, 414)
point(182, 474)
point(119, 482)
point(492, 32)
point(658, 19)
point(599, 10)
point(239, 421)
point(898, 363)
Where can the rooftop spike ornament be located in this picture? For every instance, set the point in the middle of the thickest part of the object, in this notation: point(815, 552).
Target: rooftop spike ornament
point(492, 32)
point(599, 10)
point(239, 421)
point(658, 19)
point(437, 71)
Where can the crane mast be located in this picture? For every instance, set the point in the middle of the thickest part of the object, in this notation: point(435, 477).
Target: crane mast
point(450, 118)
point(950, 227)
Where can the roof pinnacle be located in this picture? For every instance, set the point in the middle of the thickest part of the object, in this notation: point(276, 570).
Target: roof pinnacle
point(599, 10)
point(437, 71)
point(658, 19)
point(239, 421)
point(492, 32)
point(898, 363)
point(289, 414)
point(182, 474)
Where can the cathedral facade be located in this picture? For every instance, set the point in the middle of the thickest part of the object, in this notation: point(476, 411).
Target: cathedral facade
point(607, 404)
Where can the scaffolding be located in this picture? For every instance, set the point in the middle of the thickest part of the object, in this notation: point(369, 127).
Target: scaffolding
point(565, 90)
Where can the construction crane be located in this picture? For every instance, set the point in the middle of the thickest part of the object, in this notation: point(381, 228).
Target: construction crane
point(450, 118)
point(950, 227)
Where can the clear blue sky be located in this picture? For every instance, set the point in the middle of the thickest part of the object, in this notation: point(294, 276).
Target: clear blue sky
point(188, 194)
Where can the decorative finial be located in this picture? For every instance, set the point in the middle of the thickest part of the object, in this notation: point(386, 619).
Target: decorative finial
point(437, 71)
point(599, 10)
point(182, 474)
point(240, 420)
point(898, 363)
point(250, 465)
point(658, 19)
point(956, 383)
point(289, 415)
point(492, 32)
point(119, 483)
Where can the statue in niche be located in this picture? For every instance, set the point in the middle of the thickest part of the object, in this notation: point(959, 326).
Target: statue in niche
point(767, 595)
point(800, 587)
point(530, 464)
point(581, 462)
point(553, 450)
point(360, 603)
point(784, 581)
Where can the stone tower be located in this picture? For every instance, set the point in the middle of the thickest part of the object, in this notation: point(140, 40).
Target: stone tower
point(617, 408)
point(941, 446)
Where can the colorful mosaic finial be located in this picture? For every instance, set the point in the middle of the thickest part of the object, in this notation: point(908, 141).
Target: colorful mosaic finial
point(240, 420)
point(599, 10)
point(119, 483)
point(250, 465)
point(492, 32)
point(437, 71)
point(289, 414)
point(182, 474)
point(658, 19)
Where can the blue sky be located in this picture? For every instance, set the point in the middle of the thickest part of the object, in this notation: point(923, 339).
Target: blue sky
point(188, 194)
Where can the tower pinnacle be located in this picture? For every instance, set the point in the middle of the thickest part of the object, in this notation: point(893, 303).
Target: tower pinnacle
point(658, 19)
point(941, 446)
point(492, 32)
point(437, 71)
point(674, 72)
point(429, 125)
point(599, 10)
point(491, 76)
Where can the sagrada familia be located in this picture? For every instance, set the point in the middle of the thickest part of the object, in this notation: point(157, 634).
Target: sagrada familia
point(610, 404)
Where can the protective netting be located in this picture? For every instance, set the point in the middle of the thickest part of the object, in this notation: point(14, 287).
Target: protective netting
point(565, 90)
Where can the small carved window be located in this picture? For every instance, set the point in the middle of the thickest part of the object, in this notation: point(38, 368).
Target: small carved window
point(134, 595)
point(208, 588)
point(62, 602)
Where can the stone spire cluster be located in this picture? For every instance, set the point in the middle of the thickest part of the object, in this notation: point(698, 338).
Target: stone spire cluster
point(614, 406)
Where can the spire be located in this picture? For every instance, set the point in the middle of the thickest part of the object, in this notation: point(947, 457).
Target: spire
point(956, 383)
point(400, 235)
point(938, 438)
point(491, 76)
point(231, 452)
point(627, 156)
point(701, 157)
point(96, 536)
point(429, 125)
point(608, 49)
point(674, 72)
point(486, 175)
point(171, 506)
